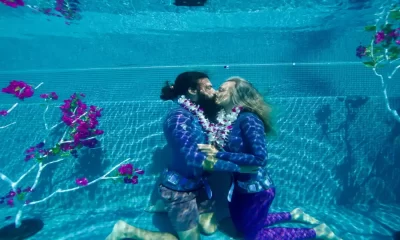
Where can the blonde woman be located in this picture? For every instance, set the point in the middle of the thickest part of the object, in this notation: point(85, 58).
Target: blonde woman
point(251, 194)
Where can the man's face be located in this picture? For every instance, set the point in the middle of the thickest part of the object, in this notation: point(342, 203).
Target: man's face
point(205, 89)
point(206, 98)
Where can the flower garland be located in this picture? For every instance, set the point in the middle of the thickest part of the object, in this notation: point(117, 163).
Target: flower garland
point(216, 133)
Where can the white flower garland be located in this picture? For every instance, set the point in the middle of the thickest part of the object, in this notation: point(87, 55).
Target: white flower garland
point(217, 133)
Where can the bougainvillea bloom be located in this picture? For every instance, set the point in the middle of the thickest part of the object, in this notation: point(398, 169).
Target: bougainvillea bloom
point(126, 169)
point(20, 89)
point(49, 96)
point(81, 181)
point(13, 3)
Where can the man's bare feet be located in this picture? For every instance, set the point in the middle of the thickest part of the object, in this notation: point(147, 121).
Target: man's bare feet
point(118, 231)
point(300, 216)
point(208, 223)
point(324, 232)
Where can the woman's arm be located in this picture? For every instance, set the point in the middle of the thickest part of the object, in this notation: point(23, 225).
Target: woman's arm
point(254, 138)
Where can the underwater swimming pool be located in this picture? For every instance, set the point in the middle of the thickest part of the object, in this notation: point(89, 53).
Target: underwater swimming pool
point(337, 152)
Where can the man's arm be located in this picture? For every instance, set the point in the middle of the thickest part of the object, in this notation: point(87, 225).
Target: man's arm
point(181, 132)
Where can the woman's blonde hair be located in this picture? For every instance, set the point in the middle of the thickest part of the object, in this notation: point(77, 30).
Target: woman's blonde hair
point(245, 95)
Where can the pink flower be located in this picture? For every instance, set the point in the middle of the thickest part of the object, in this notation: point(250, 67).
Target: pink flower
point(20, 89)
point(98, 132)
point(398, 42)
point(13, 3)
point(54, 96)
point(135, 180)
point(3, 112)
point(379, 37)
point(81, 181)
point(126, 169)
point(50, 96)
point(10, 202)
point(394, 33)
point(12, 194)
point(29, 157)
point(67, 120)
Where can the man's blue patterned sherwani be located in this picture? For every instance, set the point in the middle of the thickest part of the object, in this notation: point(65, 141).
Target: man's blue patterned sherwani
point(183, 132)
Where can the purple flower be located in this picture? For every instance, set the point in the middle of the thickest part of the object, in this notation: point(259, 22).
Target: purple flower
point(394, 33)
point(45, 96)
point(40, 145)
point(3, 112)
point(135, 180)
point(54, 96)
point(379, 37)
point(361, 51)
point(81, 181)
point(10, 202)
point(29, 157)
point(126, 169)
point(127, 180)
point(20, 89)
point(11, 194)
point(13, 3)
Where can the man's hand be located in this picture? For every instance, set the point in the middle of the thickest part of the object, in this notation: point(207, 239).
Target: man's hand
point(208, 163)
point(208, 149)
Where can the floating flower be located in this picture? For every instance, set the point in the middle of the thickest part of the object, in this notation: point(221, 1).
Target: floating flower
point(132, 180)
point(81, 181)
point(13, 3)
point(379, 37)
point(10, 202)
point(20, 89)
point(28, 189)
point(49, 96)
point(361, 51)
point(3, 112)
point(135, 180)
point(11, 194)
point(126, 169)
point(83, 121)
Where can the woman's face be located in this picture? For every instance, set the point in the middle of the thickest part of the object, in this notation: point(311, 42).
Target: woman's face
point(224, 93)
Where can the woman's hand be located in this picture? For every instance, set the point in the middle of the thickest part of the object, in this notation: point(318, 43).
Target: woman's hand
point(208, 149)
point(209, 163)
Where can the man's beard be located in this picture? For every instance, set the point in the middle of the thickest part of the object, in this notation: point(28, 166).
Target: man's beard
point(209, 106)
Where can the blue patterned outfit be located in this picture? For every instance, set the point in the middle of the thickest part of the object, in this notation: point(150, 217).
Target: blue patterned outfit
point(252, 194)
